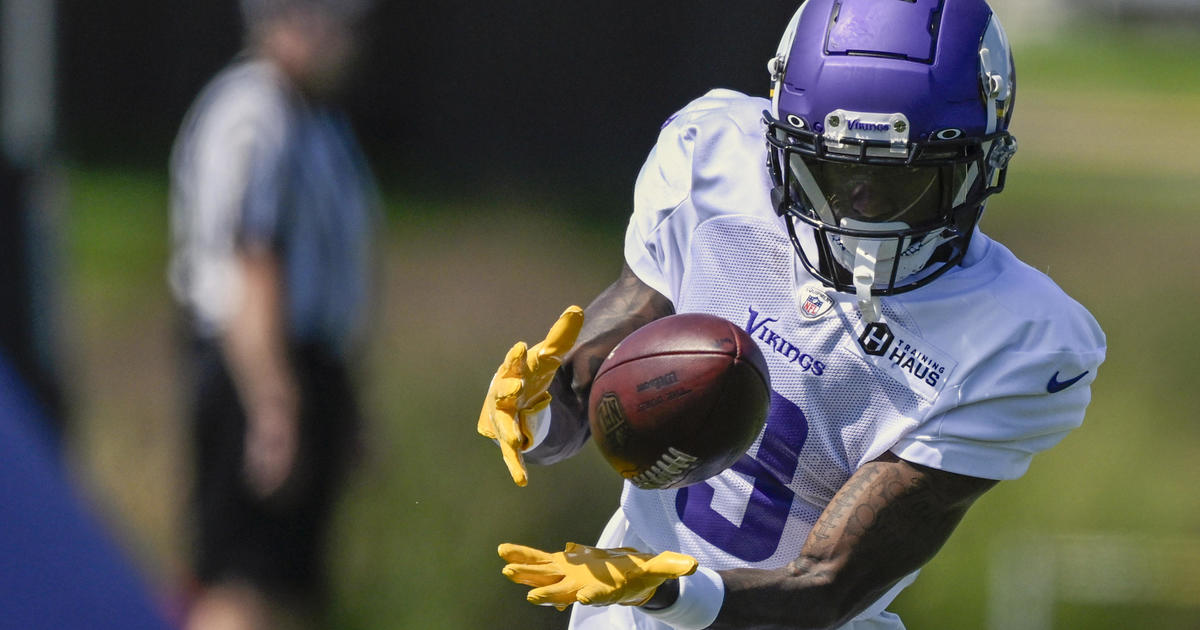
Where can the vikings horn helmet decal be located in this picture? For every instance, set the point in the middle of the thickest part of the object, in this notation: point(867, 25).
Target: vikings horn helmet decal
point(888, 131)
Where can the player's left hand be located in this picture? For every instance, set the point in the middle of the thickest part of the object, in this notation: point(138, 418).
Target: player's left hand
point(518, 390)
point(592, 576)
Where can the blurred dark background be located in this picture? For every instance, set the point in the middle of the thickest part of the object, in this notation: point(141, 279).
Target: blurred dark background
point(452, 96)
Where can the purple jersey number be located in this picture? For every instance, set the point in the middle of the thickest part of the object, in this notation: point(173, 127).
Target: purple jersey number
point(772, 469)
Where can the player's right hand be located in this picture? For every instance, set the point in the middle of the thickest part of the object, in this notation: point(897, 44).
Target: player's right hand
point(518, 390)
point(592, 576)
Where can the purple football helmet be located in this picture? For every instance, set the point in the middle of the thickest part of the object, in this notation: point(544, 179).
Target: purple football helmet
point(888, 130)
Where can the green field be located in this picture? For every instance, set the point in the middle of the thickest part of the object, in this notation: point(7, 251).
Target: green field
point(1102, 197)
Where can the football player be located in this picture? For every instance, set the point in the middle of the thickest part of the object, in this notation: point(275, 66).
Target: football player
point(839, 217)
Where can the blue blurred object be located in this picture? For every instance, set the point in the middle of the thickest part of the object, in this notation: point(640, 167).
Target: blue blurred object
point(59, 570)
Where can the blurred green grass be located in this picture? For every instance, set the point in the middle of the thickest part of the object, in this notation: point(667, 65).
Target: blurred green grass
point(1098, 199)
point(1153, 58)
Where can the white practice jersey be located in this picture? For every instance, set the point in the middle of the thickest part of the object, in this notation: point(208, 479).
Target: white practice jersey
point(973, 373)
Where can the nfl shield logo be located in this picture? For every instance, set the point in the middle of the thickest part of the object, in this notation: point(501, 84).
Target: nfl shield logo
point(815, 303)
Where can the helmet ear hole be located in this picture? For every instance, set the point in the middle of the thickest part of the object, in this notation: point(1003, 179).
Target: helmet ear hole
point(995, 85)
point(775, 67)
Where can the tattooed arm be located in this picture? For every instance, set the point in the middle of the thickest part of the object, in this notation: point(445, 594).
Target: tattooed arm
point(888, 520)
point(625, 306)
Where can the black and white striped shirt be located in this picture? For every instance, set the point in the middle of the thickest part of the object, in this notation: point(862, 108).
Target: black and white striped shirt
point(257, 164)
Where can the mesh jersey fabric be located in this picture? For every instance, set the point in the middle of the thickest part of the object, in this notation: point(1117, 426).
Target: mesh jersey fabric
point(961, 383)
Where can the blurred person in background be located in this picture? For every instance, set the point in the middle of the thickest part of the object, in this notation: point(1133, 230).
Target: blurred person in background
point(914, 362)
point(273, 209)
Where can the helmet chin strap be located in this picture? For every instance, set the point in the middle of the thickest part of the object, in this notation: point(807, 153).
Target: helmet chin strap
point(867, 258)
point(867, 253)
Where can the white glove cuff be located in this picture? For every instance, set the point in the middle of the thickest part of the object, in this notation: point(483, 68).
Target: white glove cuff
point(700, 597)
point(539, 425)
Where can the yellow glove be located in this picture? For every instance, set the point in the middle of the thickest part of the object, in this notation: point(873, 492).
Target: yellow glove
point(519, 390)
point(592, 576)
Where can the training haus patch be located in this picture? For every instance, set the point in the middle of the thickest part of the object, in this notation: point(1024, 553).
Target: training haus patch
point(905, 357)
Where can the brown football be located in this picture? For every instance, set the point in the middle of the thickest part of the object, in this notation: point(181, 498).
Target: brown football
point(679, 400)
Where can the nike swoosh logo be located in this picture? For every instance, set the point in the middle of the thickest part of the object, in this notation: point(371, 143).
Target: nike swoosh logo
point(1056, 385)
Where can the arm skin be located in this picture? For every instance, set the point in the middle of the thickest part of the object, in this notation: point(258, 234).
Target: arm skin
point(888, 520)
point(255, 349)
point(625, 306)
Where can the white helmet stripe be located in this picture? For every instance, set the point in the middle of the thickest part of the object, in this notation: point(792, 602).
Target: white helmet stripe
point(972, 172)
point(777, 64)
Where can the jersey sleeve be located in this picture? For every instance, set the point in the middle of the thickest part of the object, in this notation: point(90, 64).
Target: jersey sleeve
point(263, 202)
point(654, 244)
point(1020, 399)
point(713, 127)
point(234, 159)
point(233, 125)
